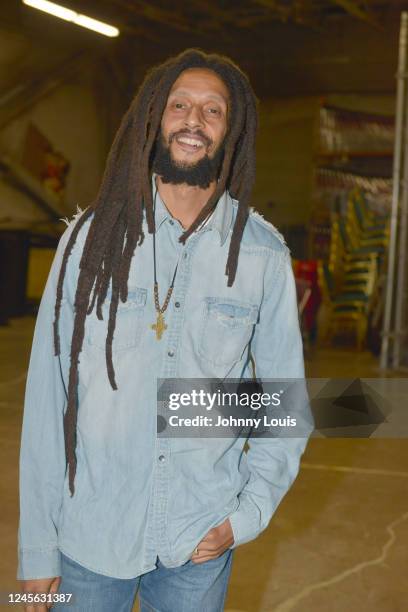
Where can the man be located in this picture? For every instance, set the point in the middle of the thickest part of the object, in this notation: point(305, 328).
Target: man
point(135, 511)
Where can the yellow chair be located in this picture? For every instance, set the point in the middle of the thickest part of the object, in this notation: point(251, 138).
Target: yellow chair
point(351, 307)
point(347, 281)
point(368, 220)
point(326, 286)
point(362, 234)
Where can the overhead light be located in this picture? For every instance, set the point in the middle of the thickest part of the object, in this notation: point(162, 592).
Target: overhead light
point(68, 15)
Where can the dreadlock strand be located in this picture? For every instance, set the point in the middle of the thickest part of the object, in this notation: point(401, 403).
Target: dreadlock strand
point(105, 196)
point(113, 307)
point(233, 252)
point(134, 234)
point(244, 181)
point(111, 175)
point(105, 281)
point(71, 241)
point(85, 282)
point(70, 417)
point(98, 284)
point(108, 263)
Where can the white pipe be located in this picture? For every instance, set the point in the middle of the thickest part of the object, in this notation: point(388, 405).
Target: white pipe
point(399, 121)
point(401, 288)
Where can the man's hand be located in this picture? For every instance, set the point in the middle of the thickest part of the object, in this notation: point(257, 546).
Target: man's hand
point(40, 585)
point(217, 541)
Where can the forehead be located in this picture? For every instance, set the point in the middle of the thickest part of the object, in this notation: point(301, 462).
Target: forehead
point(200, 81)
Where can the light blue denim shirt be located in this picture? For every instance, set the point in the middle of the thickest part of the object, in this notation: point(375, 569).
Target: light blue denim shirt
point(137, 495)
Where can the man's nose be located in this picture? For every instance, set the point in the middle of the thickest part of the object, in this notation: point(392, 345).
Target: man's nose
point(194, 118)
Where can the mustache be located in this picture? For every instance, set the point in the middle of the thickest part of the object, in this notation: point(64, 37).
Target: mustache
point(186, 132)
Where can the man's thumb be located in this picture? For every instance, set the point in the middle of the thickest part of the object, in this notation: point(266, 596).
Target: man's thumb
point(54, 589)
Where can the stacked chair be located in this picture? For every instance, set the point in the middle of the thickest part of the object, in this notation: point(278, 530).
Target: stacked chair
point(348, 281)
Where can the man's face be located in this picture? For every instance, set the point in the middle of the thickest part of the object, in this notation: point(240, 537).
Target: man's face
point(194, 121)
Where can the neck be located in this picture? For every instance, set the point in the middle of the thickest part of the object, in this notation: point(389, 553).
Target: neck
point(183, 201)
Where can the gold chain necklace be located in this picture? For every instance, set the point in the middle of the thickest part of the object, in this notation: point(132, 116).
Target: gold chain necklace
point(160, 326)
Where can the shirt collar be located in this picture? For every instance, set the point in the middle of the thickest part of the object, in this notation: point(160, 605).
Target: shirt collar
point(220, 219)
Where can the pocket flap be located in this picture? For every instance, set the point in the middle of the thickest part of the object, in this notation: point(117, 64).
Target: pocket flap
point(231, 312)
point(136, 297)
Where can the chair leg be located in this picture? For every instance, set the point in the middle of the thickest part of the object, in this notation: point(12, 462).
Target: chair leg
point(323, 325)
point(361, 331)
point(330, 331)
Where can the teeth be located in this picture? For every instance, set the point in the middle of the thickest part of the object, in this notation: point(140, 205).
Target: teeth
point(191, 141)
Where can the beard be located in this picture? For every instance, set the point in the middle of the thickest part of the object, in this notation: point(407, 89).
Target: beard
point(200, 174)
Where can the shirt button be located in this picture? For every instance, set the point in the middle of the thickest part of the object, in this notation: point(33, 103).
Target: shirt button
point(170, 353)
point(177, 304)
point(171, 221)
point(162, 458)
point(185, 256)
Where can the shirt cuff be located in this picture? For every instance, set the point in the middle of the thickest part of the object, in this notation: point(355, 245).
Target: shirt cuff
point(245, 521)
point(38, 563)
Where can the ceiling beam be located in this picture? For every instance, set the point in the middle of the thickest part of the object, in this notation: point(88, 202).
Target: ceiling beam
point(356, 10)
point(282, 12)
point(19, 98)
point(154, 13)
point(302, 12)
point(239, 17)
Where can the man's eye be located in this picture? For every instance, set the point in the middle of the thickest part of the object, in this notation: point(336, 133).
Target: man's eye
point(214, 111)
point(178, 105)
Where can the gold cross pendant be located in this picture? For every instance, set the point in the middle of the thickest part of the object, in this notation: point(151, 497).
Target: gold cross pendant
point(159, 326)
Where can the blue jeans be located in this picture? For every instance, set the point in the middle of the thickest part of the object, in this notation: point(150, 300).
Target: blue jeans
point(189, 588)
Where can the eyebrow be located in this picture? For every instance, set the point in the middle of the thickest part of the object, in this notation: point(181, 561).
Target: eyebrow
point(185, 92)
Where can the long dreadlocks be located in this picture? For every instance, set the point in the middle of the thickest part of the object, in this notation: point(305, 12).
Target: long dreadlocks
point(116, 227)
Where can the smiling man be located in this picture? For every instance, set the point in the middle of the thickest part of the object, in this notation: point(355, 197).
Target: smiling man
point(168, 274)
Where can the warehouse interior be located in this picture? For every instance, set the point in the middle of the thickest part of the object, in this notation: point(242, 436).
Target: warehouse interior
point(327, 75)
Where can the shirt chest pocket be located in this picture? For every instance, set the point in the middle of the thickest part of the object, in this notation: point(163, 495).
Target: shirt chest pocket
point(226, 329)
point(129, 322)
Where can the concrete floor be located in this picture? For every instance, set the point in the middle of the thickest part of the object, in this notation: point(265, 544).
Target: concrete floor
point(338, 542)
